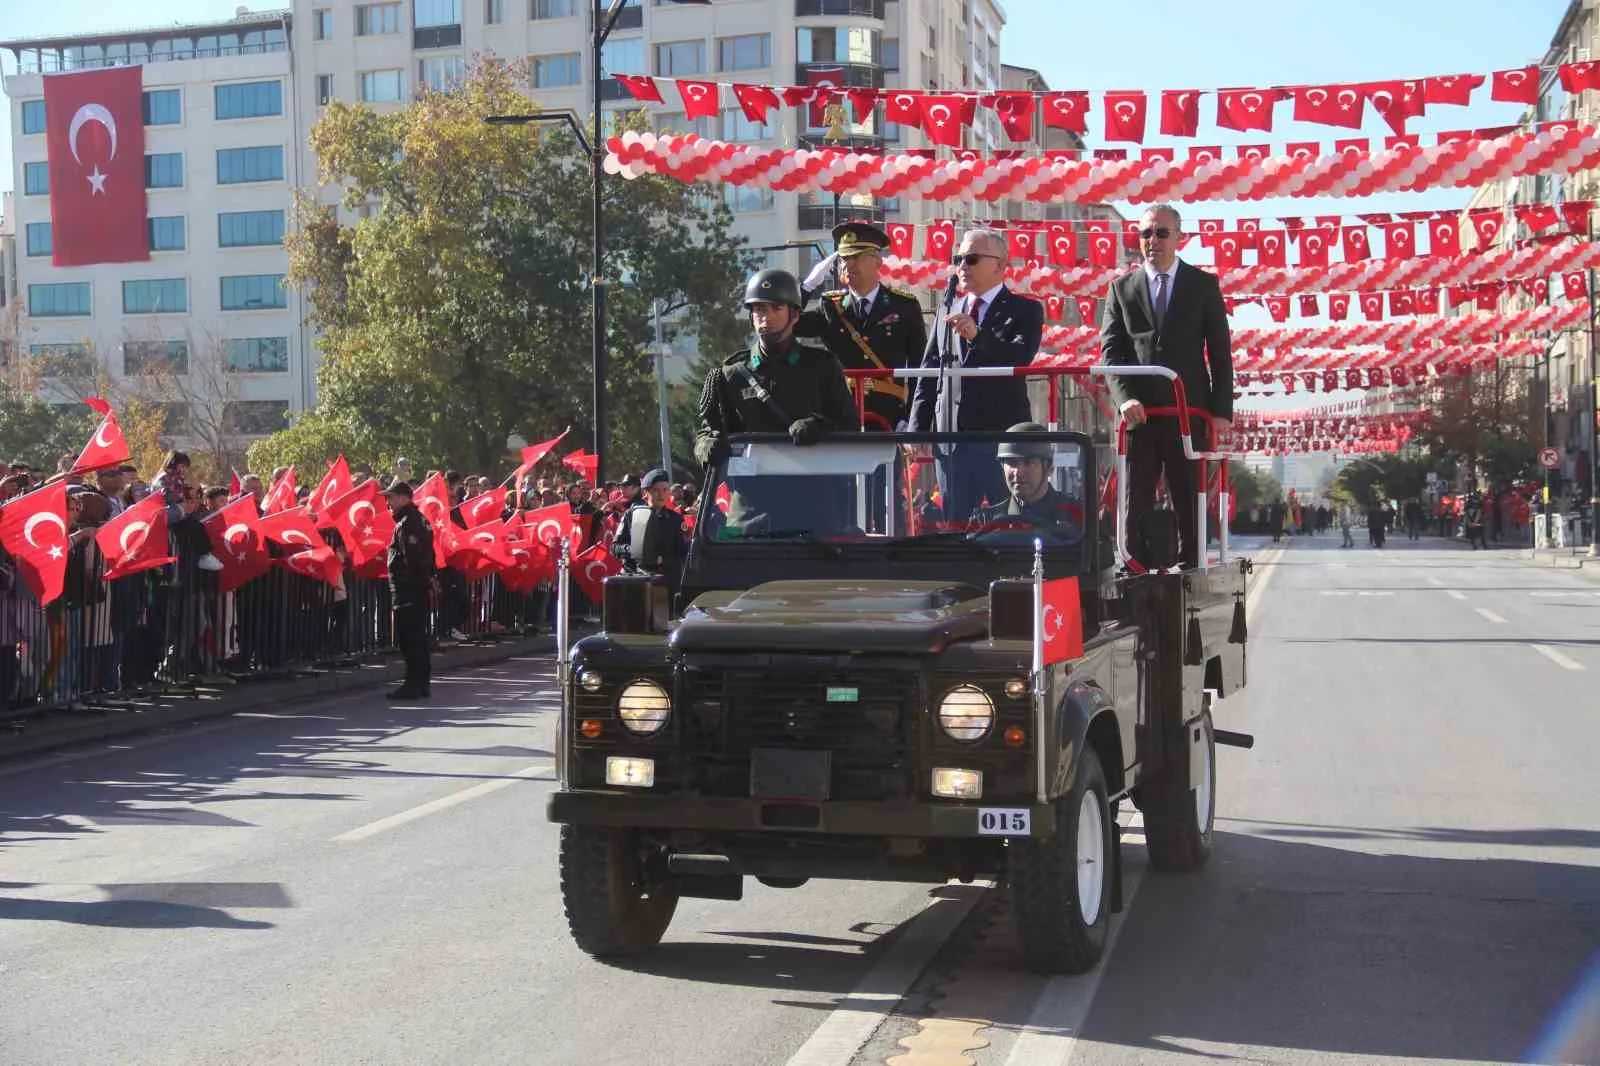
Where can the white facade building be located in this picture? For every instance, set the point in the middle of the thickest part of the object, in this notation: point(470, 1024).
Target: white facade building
point(222, 126)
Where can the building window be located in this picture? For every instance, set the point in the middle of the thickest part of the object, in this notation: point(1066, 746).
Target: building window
point(623, 57)
point(59, 300)
point(151, 357)
point(167, 233)
point(250, 99)
point(426, 13)
point(163, 107)
point(375, 19)
point(158, 296)
point(680, 57)
point(322, 24)
point(552, 9)
point(253, 292)
point(238, 229)
point(60, 359)
point(324, 89)
point(163, 170)
point(676, 122)
point(33, 116)
point(836, 44)
point(736, 126)
point(745, 199)
point(235, 165)
point(36, 179)
point(494, 12)
point(383, 86)
point(38, 238)
point(440, 73)
point(255, 417)
point(550, 72)
point(891, 53)
point(749, 52)
point(257, 355)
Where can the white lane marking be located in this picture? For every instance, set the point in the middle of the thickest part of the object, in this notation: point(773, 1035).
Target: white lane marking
point(1358, 592)
point(1556, 657)
point(843, 1033)
point(1558, 593)
point(1435, 581)
point(443, 803)
point(1051, 1034)
point(1254, 595)
point(1455, 595)
point(1491, 616)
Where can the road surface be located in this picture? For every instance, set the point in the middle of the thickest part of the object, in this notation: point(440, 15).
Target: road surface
point(1407, 868)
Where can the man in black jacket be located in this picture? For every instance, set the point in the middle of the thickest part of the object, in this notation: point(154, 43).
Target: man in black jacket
point(1167, 314)
point(990, 326)
point(411, 583)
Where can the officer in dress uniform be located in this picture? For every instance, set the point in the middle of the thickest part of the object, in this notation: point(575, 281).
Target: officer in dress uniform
point(411, 581)
point(868, 325)
point(1033, 500)
point(785, 384)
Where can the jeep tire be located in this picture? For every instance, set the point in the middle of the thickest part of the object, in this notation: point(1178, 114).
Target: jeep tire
point(612, 910)
point(1061, 885)
point(1179, 813)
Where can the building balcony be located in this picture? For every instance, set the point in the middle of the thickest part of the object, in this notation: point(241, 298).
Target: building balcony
point(815, 141)
point(852, 76)
point(870, 9)
point(436, 37)
point(629, 18)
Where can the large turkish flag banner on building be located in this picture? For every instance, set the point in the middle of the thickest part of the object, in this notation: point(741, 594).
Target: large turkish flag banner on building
point(94, 132)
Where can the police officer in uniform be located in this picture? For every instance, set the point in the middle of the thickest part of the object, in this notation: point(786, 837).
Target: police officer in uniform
point(868, 325)
point(411, 581)
point(650, 538)
point(1027, 466)
point(785, 384)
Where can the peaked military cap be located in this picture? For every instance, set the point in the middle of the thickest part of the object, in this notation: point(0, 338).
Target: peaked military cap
point(854, 238)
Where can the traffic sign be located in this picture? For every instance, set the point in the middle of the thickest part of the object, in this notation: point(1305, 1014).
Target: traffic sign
point(1549, 458)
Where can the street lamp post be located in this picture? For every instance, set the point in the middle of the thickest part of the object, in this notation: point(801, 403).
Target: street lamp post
point(1594, 428)
point(605, 20)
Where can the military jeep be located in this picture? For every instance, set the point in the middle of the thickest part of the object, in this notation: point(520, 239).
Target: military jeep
point(844, 685)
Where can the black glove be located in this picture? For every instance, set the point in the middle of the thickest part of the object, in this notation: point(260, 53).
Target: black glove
point(805, 431)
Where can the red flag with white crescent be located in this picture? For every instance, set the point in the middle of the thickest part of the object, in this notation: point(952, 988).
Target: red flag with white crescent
point(94, 138)
point(484, 507)
point(106, 448)
point(237, 543)
point(362, 521)
point(293, 528)
point(335, 483)
point(433, 500)
point(283, 494)
point(534, 452)
point(1061, 621)
point(136, 539)
point(548, 525)
point(591, 568)
point(33, 528)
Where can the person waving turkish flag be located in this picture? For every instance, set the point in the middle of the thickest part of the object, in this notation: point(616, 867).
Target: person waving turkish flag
point(237, 542)
point(94, 135)
point(107, 447)
point(33, 528)
point(136, 539)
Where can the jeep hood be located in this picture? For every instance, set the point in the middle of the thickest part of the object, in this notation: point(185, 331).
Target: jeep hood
point(870, 616)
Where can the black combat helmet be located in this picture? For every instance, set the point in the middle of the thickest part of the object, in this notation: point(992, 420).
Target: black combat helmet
point(1025, 449)
point(773, 287)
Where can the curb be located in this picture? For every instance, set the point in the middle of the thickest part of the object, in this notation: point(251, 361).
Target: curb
point(57, 730)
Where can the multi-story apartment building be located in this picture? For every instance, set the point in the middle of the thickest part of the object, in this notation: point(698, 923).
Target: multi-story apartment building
point(208, 311)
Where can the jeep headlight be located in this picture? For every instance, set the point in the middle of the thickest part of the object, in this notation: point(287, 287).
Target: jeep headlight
point(966, 713)
point(644, 707)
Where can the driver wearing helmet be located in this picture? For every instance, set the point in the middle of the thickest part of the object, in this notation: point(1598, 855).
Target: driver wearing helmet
point(785, 384)
point(1026, 465)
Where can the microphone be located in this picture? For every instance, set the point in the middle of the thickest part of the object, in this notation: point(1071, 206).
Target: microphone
point(949, 330)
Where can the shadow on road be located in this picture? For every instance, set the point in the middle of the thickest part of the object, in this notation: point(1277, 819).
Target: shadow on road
point(161, 905)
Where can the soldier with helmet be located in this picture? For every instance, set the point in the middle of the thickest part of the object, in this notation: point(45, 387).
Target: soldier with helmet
point(785, 384)
point(868, 325)
point(1027, 466)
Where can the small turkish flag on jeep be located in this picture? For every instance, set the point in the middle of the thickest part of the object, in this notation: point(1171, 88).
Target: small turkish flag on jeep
point(1061, 621)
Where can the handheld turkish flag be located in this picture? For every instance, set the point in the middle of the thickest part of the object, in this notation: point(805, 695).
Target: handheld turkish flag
point(318, 562)
point(293, 528)
point(591, 568)
point(33, 528)
point(237, 543)
point(235, 486)
point(359, 518)
point(433, 500)
point(534, 452)
point(484, 507)
point(94, 136)
point(548, 525)
point(106, 448)
point(582, 463)
point(1060, 632)
point(283, 495)
point(136, 539)
point(529, 565)
point(335, 483)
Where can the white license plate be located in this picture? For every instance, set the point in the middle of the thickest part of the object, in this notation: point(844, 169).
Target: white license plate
point(1003, 821)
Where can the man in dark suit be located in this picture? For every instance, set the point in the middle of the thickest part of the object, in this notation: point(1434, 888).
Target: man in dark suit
point(1169, 314)
point(868, 325)
point(990, 326)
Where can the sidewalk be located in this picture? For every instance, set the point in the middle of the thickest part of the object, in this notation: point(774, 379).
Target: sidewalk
point(128, 715)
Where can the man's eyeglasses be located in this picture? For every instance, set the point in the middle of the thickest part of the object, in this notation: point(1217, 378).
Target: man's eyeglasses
point(1155, 231)
point(971, 258)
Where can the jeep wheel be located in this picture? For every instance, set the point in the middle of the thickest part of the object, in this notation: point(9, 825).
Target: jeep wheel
point(611, 909)
point(1178, 812)
point(1061, 885)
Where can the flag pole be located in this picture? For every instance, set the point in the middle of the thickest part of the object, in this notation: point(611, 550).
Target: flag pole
point(1041, 792)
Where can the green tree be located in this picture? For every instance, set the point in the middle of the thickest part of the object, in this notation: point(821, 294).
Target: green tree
point(1251, 488)
point(457, 312)
point(39, 433)
point(1383, 477)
